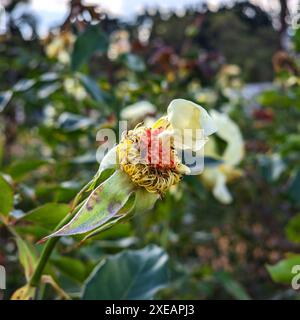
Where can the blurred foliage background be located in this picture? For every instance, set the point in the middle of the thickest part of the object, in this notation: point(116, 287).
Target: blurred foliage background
point(231, 233)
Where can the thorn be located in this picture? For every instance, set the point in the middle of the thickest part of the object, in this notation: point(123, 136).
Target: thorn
point(42, 240)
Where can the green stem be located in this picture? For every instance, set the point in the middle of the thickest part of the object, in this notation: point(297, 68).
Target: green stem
point(35, 279)
point(50, 245)
point(41, 291)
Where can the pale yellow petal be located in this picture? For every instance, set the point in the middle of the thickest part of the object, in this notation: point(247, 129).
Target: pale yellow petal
point(184, 114)
point(110, 159)
point(220, 190)
point(230, 133)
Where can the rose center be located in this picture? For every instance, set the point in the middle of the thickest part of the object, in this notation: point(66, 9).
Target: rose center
point(155, 150)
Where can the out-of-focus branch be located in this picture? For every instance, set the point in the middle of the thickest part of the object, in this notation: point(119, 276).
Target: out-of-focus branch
point(80, 14)
point(284, 13)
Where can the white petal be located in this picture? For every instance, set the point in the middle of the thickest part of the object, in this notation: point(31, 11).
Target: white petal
point(184, 114)
point(230, 132)
point(109, 161)
point(220, 190)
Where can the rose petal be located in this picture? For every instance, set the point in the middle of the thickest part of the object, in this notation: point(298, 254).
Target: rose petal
point(110, 160)
point(230, 132)
point(220, 190)
point(184, 114)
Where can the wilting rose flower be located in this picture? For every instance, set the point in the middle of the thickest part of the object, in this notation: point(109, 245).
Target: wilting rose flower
point(218, 176)
point(146, 163)
point(157, 148)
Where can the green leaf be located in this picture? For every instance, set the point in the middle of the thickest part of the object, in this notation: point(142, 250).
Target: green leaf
point(49, 77)
point(292, 229)
point(144, 200)
point(70, 122)
point(296, 40)
point(233, 287)
point(6, 197)
point(122, 243)
point(103, 204)
point(19, 169)
point(88, 42)
point(63, 192)
point(130, 275)
point(47, 90)
point(71, 267)
point(294, 188)
point(282, 271)
point(92, 88)
point(48, 215)
point(5, 97)
point(123, 214)
point(33, 230)
point(139, 203)
point(291, 145)
point(275, 99)
point(121, 230)
point(271, 167)
point(24, 85)
point(27, 256)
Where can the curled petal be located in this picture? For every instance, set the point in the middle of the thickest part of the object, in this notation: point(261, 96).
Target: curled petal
point(184, 114)
point(185, 139)
point(217, 178)
point(230, 132)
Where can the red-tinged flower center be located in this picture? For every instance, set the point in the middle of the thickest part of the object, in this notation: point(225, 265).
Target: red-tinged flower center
point(155, 150)
point(149, 158)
